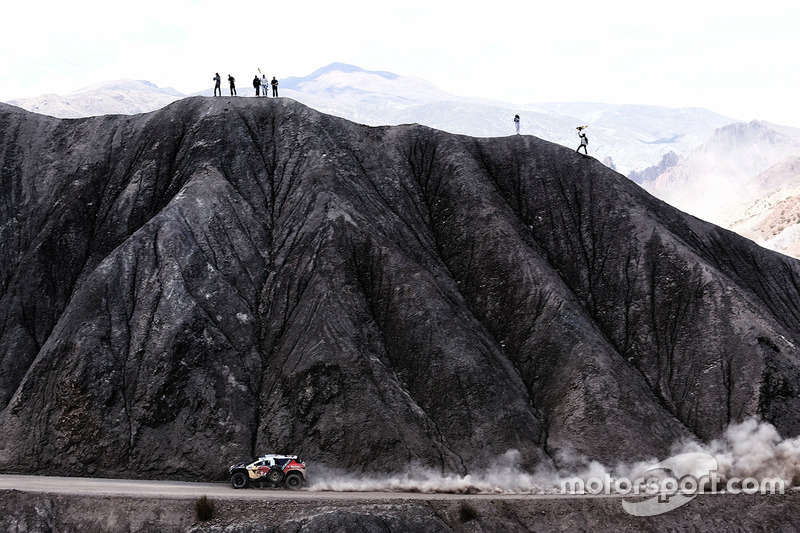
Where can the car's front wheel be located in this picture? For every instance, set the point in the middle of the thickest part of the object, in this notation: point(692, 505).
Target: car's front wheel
point(275, 475)
point(239, 480)
point(294, 481)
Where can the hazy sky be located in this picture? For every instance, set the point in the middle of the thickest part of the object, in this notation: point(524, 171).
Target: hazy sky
point(735, 58)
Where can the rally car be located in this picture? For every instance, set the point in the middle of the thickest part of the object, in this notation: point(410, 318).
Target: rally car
point(276, 470)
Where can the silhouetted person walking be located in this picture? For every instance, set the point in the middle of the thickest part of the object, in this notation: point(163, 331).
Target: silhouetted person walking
point(274, 86)
point(217, 80)
point(584, 140)
point(516, 123)
point(232, 81)
point(257, 85)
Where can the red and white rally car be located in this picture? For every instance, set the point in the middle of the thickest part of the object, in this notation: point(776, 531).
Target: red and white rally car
point(274, 469)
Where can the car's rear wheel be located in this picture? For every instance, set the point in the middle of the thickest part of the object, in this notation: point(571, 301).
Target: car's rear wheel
point(294, 481)
point(239, 480)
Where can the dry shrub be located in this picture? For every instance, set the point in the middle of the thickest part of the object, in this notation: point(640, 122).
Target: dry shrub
point(467, 512)
point(205, 509)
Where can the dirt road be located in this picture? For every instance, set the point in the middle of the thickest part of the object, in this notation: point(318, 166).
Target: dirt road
point(178, 489)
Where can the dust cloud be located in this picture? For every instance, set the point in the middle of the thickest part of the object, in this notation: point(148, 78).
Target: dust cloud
point(750, 449)
point(753, 449)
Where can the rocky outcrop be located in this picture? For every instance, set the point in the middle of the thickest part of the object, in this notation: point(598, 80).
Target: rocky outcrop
point(670, 159)
point(225, 277)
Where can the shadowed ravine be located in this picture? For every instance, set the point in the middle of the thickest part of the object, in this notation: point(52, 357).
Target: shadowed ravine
point(225, 277)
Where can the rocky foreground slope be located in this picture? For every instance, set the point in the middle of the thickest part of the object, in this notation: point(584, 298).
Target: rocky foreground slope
point(225, 277)
point(37, 512)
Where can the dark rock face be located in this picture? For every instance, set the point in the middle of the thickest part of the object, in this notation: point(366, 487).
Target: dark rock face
point(223, 277)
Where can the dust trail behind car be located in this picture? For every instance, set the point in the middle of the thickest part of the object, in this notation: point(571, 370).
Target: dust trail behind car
point(750, 449)
point(504, 477)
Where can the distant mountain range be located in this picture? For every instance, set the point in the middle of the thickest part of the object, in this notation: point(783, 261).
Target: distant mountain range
point(715, 174)
point(626, 137)
point(701, 162)
point(120, 97)
point(770, 215)
point(745, 176)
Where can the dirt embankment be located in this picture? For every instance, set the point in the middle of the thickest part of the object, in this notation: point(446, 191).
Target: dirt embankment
point(41, 512)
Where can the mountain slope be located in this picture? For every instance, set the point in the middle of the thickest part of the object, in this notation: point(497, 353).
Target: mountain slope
point(228, 276)
point(772, 217)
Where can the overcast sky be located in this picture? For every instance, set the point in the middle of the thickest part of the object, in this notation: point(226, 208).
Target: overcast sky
point(736, 58)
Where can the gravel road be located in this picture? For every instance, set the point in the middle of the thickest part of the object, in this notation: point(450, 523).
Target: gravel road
point(180, 489)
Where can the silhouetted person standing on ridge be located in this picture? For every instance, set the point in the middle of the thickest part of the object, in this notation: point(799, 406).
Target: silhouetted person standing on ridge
point(264, 84)
point(232, 81)
point(217, 79)
point(516, 123)
point(584, 140)
point(257, 85)
point(274, 86)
